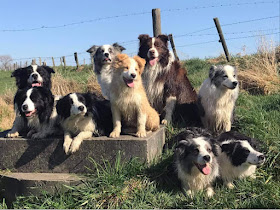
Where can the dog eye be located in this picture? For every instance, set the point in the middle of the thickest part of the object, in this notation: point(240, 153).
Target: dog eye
point(195, 151)
point(209, 150)
point(110, 50)
point(234, 76)
point(225, 76)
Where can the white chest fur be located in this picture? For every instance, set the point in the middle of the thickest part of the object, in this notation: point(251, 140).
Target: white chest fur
point(104, 79)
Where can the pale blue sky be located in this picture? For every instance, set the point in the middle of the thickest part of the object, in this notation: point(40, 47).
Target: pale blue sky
point(78, 38)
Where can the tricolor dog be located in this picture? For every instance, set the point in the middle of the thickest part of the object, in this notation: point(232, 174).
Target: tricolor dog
point(129, 102)
point(165, 80)
point(103, 57)
point(217, 97)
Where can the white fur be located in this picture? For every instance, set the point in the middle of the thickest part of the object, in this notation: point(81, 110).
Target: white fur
point(218, 104)
point(78, 125)
point(104, 79)
point(39, 78)
point(229, 172)
point(195, 180)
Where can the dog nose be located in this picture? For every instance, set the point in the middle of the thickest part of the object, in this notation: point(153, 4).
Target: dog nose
point(261, 157)
point(34, 76)
point(133, 75)
point(81, 108)
point(234, 84)
point(106, 55)
point(152, 51)
point(206, 158)
point(24, 107)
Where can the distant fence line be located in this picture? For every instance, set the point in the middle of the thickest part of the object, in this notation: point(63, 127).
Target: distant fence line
point(157, 30)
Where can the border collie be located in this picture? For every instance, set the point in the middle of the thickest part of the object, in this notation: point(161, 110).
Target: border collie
point(33, 75)
point(82, 115)
point(195, 159)
point(103, 57)
point(239, 157)
point(128, 99)
point(217, 97)
point(37, 114)
point(165, 80)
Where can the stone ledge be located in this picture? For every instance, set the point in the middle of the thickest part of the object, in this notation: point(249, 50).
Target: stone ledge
point(47, 155)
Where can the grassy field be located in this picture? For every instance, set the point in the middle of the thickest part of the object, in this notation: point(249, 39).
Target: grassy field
point(136, 185)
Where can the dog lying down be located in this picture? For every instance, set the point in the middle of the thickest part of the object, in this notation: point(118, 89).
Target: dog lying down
point(82, 115)
point(128, 98)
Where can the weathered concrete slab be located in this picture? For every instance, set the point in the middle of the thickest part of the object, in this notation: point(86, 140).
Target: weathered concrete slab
point(19, 184)
point(47, 155)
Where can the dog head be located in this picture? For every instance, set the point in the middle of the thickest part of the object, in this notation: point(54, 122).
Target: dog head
point(154, 49)
point(35, 101)
point(224, 76)
point(32, 76)
point(129, 68)
point(240, 152)
point(197, 152)
point(105, 54)
point(75, 104)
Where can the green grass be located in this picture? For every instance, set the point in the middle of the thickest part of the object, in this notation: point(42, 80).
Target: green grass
point(6, 81)
point(136, 185)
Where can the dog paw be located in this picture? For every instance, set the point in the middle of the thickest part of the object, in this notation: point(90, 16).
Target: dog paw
point(210, 192)
point(141, 134)
point(74, 146)
point(66, 147)
point(37, 136)
point(230, 185)
point(190, 193)
point(164, 122)
point(30, 134)
point(12, 135)
point(114, 134)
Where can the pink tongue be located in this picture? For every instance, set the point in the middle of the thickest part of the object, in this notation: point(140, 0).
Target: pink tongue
point(206, 170)
point(36, 84)
point(28, 114)
point(130, 84)
point(153, 62)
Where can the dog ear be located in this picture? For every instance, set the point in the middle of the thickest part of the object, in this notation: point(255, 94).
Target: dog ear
point(118, 47)
point(141, 63)
point(119, 60)
point(63, 107)
point(17, 72)
point(93, 49)
point(163, 38)
point(49, 69)
point(229, 147)
point(216, 148)
point(143, 38)
point(212, 71)
point(181, 148)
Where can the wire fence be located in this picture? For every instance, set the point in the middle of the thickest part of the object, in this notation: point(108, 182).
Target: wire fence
point(197, 33)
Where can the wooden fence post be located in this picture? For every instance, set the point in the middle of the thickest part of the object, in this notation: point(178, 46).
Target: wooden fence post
point(61, 61)
point(84, 61)
point(33, 62)
point(26, 64)
point(40, 61)
point(20, 65)
point(156, 22)
point(44, 63)
point(64, 61)
point(222, 39)
point(15, 66)
point(76, 59)
point(170, 37)
point(53, 62)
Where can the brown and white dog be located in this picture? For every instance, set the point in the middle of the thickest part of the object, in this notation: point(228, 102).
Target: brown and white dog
point(129, 102)
point(165, 80)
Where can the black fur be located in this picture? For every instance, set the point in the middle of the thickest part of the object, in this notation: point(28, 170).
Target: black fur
point(97, 106)
point(22, 75)
point(236, 152)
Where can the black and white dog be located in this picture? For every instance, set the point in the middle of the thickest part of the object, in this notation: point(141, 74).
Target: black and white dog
point(217, 97)
point(196, 161)
point(103, 57)
point(37, 114)
point(82, 115)
point(33, 75)
point(239, 157)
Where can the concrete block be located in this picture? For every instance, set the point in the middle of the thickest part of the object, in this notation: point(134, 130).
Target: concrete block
point(47, 155)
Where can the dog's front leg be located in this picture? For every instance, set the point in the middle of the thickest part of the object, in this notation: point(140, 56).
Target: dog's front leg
point(169, 108)
point(141, 124)
point(67, 142)
point(116, 121)
point(209, 191)
point(75, 145)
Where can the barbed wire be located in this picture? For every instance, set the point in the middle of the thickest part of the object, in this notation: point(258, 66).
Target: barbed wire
point(219, 5)
point(131, 14)
point(252, 20)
